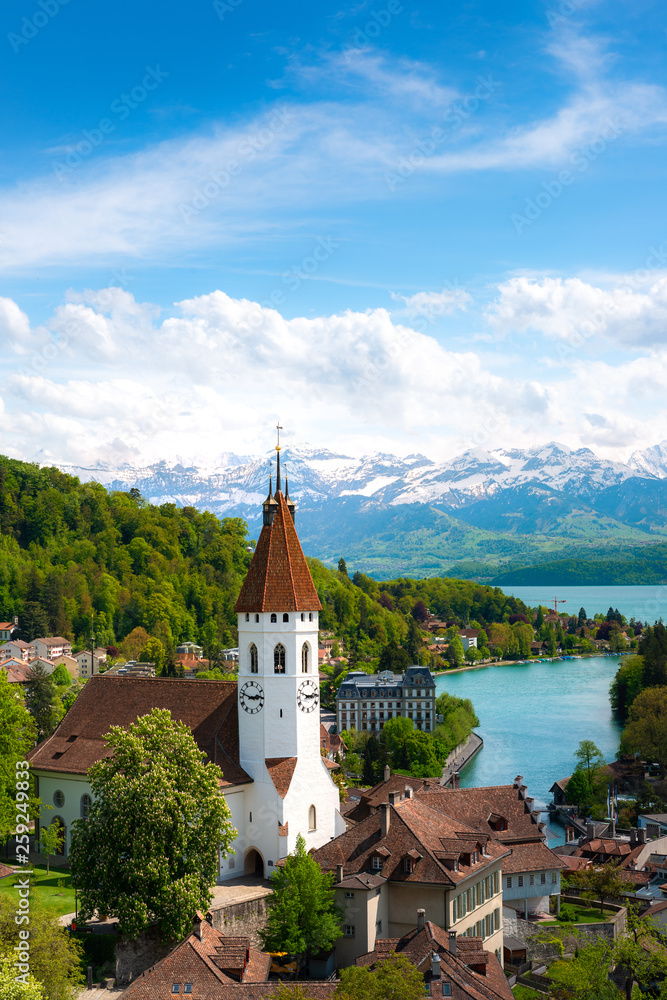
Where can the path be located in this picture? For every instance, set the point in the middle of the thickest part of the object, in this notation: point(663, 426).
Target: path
point(461, 756)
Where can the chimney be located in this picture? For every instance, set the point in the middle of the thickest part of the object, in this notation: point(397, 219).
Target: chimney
point(613, 829)
point(641, 835)
point(590, 830)
point(633, 836)
point(452, 942)
point(386, 817)
point(518, 781)
point(409, 792)
point(387, 772)
point(196, 925)
point(421, 919)
point(339, 873)
point(435, 966)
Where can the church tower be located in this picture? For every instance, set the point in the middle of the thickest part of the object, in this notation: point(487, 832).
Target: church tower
point(279, 696)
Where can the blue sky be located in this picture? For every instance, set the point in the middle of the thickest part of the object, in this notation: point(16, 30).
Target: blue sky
point(409, 227)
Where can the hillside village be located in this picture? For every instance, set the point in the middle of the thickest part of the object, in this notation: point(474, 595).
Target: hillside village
point(457, 881)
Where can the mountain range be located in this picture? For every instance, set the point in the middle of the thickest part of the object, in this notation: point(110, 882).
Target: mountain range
point(485, 515)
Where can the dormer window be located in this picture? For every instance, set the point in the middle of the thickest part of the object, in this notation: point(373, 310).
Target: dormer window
point(408, 865)
point(274, 619)
point(376, 863)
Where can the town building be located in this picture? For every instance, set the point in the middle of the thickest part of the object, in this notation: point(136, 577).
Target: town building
point(88, 663)
point(469, 638)
point(409, 855)
point(16, 648)
point(264, 732)
point(7, 629)
point(452, 966)
point(366, 702)
point(17, 672)
point(50, 647)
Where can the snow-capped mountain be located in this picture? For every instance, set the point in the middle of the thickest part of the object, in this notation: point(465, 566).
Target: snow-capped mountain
point(479, 506)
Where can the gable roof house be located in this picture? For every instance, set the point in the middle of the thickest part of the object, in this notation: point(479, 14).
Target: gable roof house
point(206, 964)
point(52, 646)
point(7, 629)
point(407, 855)
point(61, 762)
point(453, 966)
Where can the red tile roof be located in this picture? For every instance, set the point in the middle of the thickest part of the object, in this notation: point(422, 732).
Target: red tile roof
point(281, 770)
point(201, 963)
point(5, 870)
point(414, 825)
point(278, 578)
point(473, 973)
point(208, 708)
point(532, 858)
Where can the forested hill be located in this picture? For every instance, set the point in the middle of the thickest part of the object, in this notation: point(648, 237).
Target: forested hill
point(69, 549)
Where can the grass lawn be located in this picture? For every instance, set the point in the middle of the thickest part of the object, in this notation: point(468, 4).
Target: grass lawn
point(522, 992)
point(57, 899)
point(585, 915)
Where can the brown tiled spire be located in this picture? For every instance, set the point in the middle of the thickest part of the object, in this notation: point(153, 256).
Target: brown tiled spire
point(278, 578)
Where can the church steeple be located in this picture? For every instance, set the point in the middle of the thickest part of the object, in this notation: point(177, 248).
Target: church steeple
point(269, 506)
point(278, 486)
point(290, 503)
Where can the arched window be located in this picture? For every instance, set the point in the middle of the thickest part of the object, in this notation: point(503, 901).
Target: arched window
point(312, 818)
point(304, 658)
point(310, 616)
point(256, 618)
point(303, 617)
point(247, 617)
point(285, 617)
point(279, 659)
point(85, 806)
point(253, 659)
point(274, 619)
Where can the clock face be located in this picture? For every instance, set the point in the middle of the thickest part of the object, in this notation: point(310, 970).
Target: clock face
point(252, 697)
point(308, 696)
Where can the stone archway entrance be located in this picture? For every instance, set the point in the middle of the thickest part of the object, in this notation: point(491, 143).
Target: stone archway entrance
point(254, 863)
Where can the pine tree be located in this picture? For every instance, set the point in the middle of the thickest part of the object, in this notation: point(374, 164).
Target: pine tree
point(42, 701)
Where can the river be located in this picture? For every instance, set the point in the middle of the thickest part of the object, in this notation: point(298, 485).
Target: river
point(646, 604)
point(532, 717)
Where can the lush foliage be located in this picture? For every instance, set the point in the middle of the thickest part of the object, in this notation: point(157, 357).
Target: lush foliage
point(42, 701)
point(394, 978)
point(69, 550)
point(11, 989)
point(149, 848)
point(302, 915)
point(17, 735)
point(50, 841)
point(648, 669)
point(55, 959)
point(601, 882)
point(646, 731)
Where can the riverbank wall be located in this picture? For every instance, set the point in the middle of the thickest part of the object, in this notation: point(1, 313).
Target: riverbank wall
point(458, 758)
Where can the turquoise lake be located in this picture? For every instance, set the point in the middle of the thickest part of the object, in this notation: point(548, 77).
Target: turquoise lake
point(532, 717)
point(643, 603)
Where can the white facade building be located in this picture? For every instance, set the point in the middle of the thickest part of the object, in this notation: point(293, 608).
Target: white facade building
point(365, 702)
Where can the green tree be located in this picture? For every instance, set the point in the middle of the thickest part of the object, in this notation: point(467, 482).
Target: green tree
point(27, 988)
point(17, 735)
point(42, 701)
point(55, 957)
point(342, 566)
point(578, 789)
point(394, 658)
point(50, 841)
point(302, 915)
point(61, 676)
point(589, 759)
point(455, 653)
point(394, 978)
point(602, 882)
point(582, 618)
point(586, 977)
point(149, 848)
point(627, 684)
point(646, 731)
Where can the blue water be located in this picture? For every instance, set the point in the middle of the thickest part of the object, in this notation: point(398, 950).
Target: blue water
point(532, 717)
point(643, 603)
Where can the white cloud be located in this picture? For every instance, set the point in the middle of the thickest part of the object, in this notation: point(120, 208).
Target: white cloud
point(578, 312)
point(432, 304)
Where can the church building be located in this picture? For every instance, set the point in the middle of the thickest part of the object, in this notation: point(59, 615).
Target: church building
point(264, 732)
